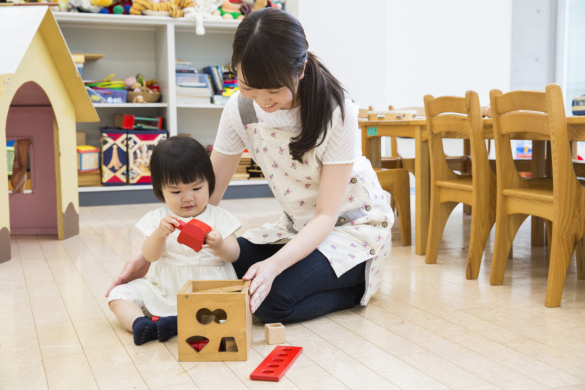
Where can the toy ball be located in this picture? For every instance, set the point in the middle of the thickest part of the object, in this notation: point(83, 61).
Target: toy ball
point(118, 10)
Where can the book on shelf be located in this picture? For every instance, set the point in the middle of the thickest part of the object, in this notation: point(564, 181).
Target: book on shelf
point(186, 100)
point(216, 76)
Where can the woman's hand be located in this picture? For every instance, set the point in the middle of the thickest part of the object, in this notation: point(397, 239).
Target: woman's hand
point(136, 267)
point(262, 275)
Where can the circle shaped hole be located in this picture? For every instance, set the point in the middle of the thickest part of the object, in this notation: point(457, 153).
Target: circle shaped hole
point(267, 371)
point(277, 360)
point(272, 365)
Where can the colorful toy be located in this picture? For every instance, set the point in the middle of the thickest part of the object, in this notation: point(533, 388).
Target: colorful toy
point(141, 143)
point(276, 363)
point(193, 233)
point(88, 158)
point(214, 323)
point(578, 105)
point(114, 157)
point(132, 122)
point(230, 9)
point(175, 8)
point(43, 103)
point(274, 333)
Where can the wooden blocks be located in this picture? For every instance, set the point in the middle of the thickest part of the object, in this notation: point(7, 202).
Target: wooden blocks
point(274, 333)
point(214, 321)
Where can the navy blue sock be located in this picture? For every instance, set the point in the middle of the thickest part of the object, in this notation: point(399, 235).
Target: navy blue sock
point(166, 327)
point(144, 330)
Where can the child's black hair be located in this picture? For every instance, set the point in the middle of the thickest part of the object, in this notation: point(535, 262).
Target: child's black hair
point(180, 160)
point(271, 48)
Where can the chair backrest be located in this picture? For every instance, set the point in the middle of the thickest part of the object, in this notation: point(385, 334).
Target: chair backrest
point(516, 115)
point(455, 117)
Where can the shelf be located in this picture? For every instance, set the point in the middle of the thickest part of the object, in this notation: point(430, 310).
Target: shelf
point(233, 183)
point(200, 105)
point(73, 19)
point(130, 105)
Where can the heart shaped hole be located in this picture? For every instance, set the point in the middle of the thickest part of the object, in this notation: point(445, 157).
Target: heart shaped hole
point(206, 316)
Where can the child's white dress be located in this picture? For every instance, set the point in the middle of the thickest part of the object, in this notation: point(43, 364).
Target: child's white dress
point(179, 263)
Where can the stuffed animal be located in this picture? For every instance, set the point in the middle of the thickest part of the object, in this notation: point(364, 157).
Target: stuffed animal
point(174, 7)
point(230, 9)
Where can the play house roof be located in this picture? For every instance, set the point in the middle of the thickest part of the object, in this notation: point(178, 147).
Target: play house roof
point(18, 26)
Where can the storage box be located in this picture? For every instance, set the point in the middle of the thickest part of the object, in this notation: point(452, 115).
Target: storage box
point(10, 155)
point(114, 157)
point(103, 95)
point(88, 158)
point(132, 122)
point(89, 179)
point(214, 321)
point(140, 146)
point(579, 105)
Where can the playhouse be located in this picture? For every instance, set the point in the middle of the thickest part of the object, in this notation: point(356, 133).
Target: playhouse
point(42, 97)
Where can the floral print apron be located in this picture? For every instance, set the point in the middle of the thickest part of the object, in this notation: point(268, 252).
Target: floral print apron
point(362, 231)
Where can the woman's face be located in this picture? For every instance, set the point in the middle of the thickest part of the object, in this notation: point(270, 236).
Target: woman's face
point(270, 100)
point(187, 200)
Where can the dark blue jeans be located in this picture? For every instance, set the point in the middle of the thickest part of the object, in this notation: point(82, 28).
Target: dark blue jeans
point(307, 289)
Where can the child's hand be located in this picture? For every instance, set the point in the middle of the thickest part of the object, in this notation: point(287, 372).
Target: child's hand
point(213, 240)
point(167, 225)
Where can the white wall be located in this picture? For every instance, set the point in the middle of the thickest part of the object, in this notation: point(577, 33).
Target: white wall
point(396, 51)
point(446, 48)
point(349, 38)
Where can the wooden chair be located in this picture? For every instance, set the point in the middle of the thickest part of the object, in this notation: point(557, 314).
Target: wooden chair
point(560, 201)
point(397, 182)
point(457, 117)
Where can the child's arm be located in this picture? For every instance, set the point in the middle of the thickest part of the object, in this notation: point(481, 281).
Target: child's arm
point(155, 243)
point(228, 250)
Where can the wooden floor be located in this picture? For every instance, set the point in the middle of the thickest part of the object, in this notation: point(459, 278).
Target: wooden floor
point(427, 328)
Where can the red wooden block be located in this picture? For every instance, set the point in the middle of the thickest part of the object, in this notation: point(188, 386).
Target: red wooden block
point(276, 364)
point(193, 233)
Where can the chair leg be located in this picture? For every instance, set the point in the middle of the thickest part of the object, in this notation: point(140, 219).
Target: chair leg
point(549, 227)
point(562, 248)
point(401, 194)
point(440, 213)
point(506, 228)
point(581, 258)
point(480, 232)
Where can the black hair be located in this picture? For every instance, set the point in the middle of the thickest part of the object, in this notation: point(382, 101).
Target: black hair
point(180, 160)
point(271, 48)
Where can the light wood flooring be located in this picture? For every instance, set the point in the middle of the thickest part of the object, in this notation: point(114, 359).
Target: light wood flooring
point(427, 328)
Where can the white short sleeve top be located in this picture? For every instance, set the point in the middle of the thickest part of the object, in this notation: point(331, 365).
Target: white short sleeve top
point(341, 146)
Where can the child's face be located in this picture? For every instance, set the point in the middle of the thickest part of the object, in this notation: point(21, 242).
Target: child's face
point(270, 100)
point(187, 200)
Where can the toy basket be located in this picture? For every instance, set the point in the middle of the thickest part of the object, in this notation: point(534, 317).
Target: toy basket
point(149, 97)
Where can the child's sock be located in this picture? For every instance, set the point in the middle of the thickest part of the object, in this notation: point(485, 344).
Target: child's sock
point(166, 327)
point(144, 330)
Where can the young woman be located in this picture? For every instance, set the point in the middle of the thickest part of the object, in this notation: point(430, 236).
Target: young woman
point(327, 250)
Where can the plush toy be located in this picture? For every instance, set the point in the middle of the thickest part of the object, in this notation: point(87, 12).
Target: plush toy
point(203, 10)
point(174, 7)
point(230, 9)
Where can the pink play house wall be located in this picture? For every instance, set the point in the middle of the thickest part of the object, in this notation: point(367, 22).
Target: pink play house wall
point(31, 116)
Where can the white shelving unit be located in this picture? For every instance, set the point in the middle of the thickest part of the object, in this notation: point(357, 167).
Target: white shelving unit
point(150, 45)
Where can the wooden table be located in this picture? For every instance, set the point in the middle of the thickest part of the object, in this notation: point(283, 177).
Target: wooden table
point(373, 130)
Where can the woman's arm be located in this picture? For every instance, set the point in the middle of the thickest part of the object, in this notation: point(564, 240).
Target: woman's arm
point(332, 189)
point(224, 166)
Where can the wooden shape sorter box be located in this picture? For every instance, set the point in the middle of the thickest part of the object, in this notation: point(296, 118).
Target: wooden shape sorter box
point(214, 321)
